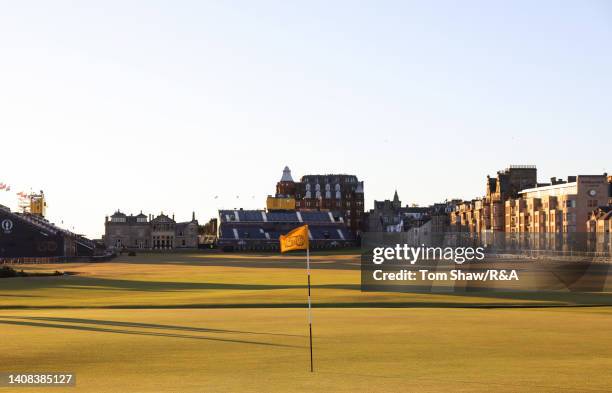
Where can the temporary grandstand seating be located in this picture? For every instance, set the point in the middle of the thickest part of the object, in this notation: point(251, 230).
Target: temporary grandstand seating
point(282, 217)
point(260, 230)
point(309, 217)
point(34, 236)
point(276, 216)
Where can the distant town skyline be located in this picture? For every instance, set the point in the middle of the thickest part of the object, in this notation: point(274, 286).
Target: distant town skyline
point(183, 107)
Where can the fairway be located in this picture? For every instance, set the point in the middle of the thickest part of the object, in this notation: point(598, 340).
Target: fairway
point(237, 322)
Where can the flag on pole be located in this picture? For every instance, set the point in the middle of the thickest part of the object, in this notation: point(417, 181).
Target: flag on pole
point(297, 239)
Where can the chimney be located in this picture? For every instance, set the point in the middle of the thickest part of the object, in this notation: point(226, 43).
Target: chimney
point(553, 180)
point(193, 216)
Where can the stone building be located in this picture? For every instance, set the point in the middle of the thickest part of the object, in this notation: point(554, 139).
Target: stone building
point(390, 216)
point(600, 220)
point(488, 213)
point(599, 227)
point(148, 232)
point(386, 216)
point(333, 192)
point(561, 207)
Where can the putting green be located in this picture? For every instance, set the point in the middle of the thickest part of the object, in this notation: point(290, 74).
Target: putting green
point(230, 323)
point(356, 350)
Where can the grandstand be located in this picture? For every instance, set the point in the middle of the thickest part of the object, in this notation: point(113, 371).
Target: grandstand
point(260, 229)
point(27, 235)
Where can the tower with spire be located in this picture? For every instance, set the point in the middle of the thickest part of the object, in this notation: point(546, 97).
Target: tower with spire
point(285, 188)
point(396, 201)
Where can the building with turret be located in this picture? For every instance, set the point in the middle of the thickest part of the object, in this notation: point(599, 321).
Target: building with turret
point(341, 194)
point(390, 216)
point(488, 213)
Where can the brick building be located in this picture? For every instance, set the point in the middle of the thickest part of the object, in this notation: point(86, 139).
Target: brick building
point(338, 193)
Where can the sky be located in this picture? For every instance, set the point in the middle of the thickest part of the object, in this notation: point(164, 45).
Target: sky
point(181, 106)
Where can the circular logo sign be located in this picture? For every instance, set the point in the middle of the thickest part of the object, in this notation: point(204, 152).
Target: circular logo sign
point(6, 225)
point(592, 193)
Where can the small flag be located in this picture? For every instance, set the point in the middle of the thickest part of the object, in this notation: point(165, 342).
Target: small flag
point(297, 239)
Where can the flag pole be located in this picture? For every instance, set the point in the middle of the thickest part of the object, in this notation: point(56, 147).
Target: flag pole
point(309, 305)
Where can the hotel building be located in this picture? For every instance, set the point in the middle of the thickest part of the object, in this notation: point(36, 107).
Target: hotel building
point(561, 207)
point(340, 194)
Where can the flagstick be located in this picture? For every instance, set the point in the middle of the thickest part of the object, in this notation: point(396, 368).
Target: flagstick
point(309, 305)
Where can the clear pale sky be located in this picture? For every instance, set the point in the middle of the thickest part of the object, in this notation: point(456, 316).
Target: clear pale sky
point(164, 105)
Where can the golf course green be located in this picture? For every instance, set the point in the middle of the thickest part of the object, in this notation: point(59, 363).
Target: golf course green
point(228, 322)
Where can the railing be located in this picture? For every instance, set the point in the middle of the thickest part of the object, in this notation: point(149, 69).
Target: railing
point(54, 260)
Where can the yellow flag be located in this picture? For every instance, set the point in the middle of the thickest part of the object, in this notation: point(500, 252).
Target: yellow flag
point(297, 239)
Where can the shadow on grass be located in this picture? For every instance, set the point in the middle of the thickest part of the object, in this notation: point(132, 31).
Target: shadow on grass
point(461, 299)
point(421, 304)
point(145, 325)
point(91, 283)
point(274, 261)
point(26, 322)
